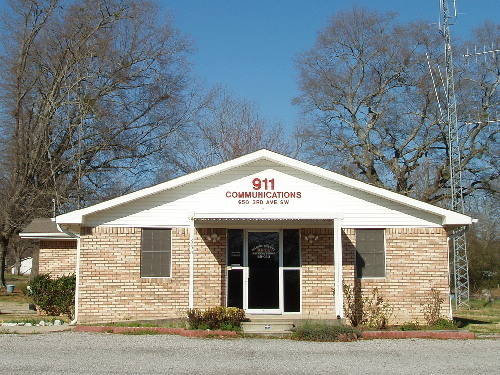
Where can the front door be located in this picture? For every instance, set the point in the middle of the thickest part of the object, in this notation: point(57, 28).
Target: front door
point(264, 272)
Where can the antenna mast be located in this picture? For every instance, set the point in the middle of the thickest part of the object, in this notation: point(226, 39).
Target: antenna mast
point(459, 243)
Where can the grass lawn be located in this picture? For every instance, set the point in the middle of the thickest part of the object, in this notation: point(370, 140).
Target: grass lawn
point(482, 317)
point(17, 296)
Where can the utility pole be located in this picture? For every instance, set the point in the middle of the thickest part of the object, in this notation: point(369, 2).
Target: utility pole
point(459, 242)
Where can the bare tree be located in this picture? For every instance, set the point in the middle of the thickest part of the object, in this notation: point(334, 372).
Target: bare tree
point(90, 89)
point(19, 249)
point(225, 127)
point(371, 109)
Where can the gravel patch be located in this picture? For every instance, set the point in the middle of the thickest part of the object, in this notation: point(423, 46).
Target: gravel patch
point(97, 353)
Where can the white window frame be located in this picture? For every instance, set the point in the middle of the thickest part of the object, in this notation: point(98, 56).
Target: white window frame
point(171, 257)
point(385, 256)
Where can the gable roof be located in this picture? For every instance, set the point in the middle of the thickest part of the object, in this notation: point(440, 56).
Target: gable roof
point(449, 217)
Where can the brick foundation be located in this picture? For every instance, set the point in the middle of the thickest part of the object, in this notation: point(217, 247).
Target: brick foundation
point(57, 257)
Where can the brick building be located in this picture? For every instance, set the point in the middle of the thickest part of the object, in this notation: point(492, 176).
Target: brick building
point(263, 232)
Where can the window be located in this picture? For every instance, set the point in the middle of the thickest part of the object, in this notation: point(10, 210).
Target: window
point(291, 270)
point(235, 275)
point(291, 248)
point(235, 247)
point(370, 253)
point(156, 253)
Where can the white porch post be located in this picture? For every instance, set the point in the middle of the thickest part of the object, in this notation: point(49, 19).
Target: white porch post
point(337, 256)
point(191, 264)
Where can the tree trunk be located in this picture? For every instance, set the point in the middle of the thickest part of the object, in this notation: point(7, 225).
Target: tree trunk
point(17, 266)
point(4, 244)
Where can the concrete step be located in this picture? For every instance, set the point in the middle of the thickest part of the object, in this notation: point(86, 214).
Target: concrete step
point(267, 326)
point(270, 334)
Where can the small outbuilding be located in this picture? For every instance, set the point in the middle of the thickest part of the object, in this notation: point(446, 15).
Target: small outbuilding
point(263, 232)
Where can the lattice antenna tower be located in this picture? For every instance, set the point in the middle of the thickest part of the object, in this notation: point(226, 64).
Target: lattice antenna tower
point(459, 243)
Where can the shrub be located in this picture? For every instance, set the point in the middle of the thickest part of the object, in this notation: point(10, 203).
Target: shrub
point(377, 311)
point(410, 326)
point(324, 332)
point(432, 307)
point(53, 296)
point(353, 305)
point(225, 318)
point(370, 310)
point(443, 323)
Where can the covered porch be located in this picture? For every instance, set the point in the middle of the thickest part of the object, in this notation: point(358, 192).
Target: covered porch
point(278, 266)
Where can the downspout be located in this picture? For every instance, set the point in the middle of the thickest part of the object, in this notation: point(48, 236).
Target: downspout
point(77, 287)
point(191, 264)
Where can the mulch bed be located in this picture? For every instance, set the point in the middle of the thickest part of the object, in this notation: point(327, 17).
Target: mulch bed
point(159, 330)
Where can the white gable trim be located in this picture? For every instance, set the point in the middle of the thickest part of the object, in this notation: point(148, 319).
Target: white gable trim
point(449, 217)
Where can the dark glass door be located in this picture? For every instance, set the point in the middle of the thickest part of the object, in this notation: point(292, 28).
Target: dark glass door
point(263, 270)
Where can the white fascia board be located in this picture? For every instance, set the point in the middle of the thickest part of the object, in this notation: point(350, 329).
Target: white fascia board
point(48, 236)
point(449, 217)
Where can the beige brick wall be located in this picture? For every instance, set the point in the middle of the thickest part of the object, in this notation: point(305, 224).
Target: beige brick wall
point(416, 262)
point(210, 268)
point(317, 272)
point(57, 257)
point(111, 287)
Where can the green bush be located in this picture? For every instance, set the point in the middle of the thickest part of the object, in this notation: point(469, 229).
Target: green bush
point(443, 323)
point(53, 296)
point(324, 332)
point(225, 318)
point(410, 326)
